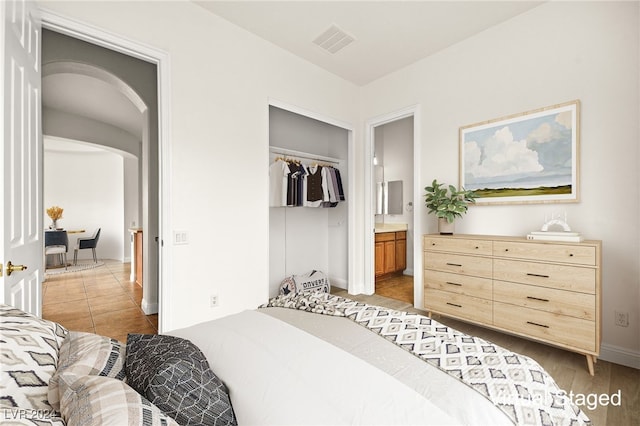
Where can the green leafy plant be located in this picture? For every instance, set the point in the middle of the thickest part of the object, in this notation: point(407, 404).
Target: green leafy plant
point(446, 201)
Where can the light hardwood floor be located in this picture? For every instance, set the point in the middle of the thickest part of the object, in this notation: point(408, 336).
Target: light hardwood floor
point(568, 369)
point(100, 300)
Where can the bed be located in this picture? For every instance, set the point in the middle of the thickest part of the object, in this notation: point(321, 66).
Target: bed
point(316, 358)
point(300, 359)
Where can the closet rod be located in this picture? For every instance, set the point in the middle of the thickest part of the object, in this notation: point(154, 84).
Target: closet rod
point(300, 154)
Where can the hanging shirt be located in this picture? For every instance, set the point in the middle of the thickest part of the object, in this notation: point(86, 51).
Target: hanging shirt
point(332, 184)
point(292, 183)
point(314, 186)
point(278, 173)
point(301, 186)
point(341, 196)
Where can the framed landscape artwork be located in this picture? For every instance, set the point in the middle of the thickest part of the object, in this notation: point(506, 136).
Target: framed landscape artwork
point(531, 157)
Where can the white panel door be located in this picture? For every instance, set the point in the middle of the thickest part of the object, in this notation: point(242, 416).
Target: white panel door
point(21, 189)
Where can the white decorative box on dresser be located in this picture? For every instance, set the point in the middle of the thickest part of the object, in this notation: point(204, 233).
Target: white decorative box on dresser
point(548, 291)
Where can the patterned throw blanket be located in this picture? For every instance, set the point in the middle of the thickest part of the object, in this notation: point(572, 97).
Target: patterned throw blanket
point(516, 384)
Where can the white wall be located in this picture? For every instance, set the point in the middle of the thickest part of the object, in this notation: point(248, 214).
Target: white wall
point(557, 52)
point(90, 189)
point(221, 80)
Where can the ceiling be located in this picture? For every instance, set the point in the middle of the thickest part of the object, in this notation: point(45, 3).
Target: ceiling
point(93, 98)
point(388, 35)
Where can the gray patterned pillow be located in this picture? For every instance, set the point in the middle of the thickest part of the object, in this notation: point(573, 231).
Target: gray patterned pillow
point(29, 349)
point(99, 400)
point(87, 354)
point(175, 376)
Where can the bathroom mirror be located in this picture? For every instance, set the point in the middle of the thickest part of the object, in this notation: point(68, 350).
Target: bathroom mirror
point(389, 197)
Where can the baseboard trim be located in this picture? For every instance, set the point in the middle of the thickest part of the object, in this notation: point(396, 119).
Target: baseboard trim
point(339, 282)
point(618, 355)
point(149, 308)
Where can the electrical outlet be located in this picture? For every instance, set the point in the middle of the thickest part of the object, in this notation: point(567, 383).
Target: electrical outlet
point(213, 300)
point(622, 319)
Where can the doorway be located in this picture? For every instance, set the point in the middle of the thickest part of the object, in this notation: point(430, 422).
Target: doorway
point(392, 147)
point(154, 171)
point(312, 137)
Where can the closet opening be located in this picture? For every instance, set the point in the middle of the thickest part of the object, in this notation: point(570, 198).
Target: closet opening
point(310, 222)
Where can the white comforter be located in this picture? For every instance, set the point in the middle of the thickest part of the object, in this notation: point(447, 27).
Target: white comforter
point(280, 374)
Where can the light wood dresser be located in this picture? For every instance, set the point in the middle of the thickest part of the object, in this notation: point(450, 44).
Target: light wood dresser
point(547, 291)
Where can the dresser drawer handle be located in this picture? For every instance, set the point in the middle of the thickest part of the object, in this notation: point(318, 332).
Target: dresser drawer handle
point(538, 275)
point(453, 264)
point(450, 283)
point(536, 324)
point(453, 304)
point(537, 298)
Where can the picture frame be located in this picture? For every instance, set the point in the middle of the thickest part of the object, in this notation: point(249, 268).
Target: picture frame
point(530, 157)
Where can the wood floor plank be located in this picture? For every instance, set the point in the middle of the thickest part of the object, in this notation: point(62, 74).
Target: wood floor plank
point(625, 381)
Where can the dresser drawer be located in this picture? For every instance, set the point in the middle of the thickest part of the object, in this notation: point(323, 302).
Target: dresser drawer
point(574, 304)
point(459, 284)
point(458, 245)
point(563, 277)
point(459, 264)
point(556, 252)
point(458, 305)
point(559, 329)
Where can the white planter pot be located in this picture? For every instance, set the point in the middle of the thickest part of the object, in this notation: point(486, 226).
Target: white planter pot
point(446, 228)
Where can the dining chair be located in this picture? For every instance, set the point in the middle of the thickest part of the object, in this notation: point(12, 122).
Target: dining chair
point(85, 243)
point(56, 242)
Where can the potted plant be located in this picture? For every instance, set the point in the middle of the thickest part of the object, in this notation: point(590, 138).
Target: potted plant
point(447, 203)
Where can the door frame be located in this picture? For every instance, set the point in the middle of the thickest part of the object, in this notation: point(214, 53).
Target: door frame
point(97, 36)
point(369, 237)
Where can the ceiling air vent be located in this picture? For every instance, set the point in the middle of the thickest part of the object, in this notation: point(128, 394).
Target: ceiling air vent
point(333, 39)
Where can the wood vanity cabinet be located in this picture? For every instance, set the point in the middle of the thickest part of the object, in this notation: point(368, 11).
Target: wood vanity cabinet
point(390, 253)
point(547, 291)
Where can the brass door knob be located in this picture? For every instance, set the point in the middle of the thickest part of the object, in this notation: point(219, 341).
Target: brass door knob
point(11, 268)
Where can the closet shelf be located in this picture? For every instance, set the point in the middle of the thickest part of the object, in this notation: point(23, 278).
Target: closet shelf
point(301, 154)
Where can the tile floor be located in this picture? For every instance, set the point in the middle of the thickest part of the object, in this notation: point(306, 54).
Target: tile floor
point(100, 300)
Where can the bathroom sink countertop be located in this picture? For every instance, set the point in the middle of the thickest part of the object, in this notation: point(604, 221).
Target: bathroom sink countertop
point(390, 227)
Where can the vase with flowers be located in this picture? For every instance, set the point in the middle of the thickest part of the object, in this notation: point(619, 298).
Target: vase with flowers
point(54, 213)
